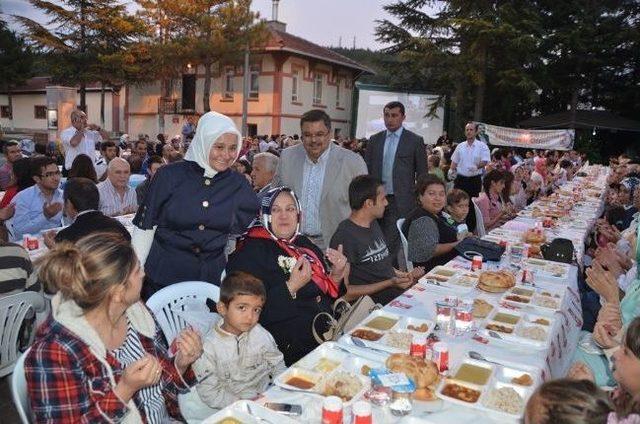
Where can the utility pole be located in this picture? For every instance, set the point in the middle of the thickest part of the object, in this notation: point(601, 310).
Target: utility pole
point(354, 42)
point(245, 93)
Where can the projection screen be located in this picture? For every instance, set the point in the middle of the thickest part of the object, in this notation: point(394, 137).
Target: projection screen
point(371, 101)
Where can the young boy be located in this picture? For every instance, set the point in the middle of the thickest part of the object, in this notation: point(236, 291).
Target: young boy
point(240, 357)
point(457, 210)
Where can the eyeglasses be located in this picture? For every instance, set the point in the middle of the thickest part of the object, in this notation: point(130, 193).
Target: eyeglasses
point(51, 174)
point(316, 136)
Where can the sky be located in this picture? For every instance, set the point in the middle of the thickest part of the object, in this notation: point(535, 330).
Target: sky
point(323, 22)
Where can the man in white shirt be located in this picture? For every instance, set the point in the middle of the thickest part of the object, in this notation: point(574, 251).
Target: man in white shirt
point(116, 197)
point(80, 138)
point(469, 160)
point(39, 207)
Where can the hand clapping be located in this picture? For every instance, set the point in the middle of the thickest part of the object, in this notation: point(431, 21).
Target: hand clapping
point(189, 349)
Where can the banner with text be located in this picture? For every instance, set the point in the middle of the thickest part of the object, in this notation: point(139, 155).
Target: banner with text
point(528, 139)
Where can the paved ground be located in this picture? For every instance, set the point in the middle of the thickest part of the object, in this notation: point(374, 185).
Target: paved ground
point(8, 413)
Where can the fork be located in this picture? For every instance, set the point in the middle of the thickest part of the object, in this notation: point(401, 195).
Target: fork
point(256, 416)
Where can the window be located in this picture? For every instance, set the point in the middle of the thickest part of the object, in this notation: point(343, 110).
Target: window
point(5, 111)
point(317, 89)
point(188, 92)
point(254, 82)
point(228, 83)
point(40, 112)
point(338, 92)
point(294, 86)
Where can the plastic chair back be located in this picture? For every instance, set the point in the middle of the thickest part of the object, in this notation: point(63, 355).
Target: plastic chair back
point(405, 245)
point(19, 391)
point(184, 304)
point(480, 231)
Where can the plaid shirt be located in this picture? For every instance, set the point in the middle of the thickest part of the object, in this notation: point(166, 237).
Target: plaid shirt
point(68, 384)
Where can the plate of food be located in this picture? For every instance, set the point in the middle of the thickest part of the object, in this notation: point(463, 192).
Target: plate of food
point(324, 359)
point(247, 412)
point(496, 281)
point(499, 390)
point(515, 327)
point(539, 298)
point(388, 332)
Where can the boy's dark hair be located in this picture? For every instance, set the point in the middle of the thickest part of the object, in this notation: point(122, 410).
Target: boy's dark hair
point(238, 283)
point(565, 163)
point(362, 188)
point(82, 193)
point(455, 196)
point(615, 215)
point(316, 115)
point(393, 105)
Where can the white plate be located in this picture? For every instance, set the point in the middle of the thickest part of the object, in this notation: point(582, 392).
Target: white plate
point(327, 351)
point(238, 410)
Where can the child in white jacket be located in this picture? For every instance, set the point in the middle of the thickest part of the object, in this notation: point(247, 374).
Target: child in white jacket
point(240, 357)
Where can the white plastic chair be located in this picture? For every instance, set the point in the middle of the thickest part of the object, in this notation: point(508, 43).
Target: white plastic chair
point(405, 245)
point(182, 304)
point(13, 309)
point(19, 391)
point(480, 230)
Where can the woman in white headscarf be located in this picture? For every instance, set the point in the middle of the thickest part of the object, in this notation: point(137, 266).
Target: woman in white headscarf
point(192, 207)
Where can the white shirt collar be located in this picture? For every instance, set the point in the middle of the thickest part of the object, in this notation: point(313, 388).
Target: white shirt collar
point(323, 157)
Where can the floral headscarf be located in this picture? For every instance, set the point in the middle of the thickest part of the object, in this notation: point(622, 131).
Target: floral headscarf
point(262, 228)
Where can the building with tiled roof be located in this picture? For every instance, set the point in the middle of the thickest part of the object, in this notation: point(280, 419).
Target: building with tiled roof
point(288, 76)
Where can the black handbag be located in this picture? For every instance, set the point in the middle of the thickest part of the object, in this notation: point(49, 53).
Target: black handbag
point(472, 246)
point(559, 250)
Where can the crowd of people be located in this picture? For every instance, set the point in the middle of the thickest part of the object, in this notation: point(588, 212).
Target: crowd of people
point(313, 219)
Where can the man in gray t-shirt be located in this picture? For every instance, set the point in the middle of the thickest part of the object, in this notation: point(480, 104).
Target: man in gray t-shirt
point(363, 244)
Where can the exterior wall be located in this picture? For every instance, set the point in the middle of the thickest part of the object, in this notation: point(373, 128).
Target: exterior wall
point(23, 110)
point(341, 116)
point(136, 106)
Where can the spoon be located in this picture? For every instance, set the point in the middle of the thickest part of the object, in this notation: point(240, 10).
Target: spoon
point(495, 335)
point(478, 356)
point(356, 341)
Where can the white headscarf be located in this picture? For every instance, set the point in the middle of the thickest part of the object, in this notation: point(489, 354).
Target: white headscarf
point(211, 125)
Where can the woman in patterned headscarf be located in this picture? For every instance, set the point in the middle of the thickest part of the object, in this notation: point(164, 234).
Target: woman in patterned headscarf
point(300, 280)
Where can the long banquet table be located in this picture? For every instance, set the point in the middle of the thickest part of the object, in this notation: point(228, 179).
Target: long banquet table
point(419, 302)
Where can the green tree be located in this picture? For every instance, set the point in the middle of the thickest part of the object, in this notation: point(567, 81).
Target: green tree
point(221, 31)
point(463, 51)
point(77, 35)
point(16, 62)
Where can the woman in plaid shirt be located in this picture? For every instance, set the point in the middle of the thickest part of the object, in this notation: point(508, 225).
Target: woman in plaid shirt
point(100, 356)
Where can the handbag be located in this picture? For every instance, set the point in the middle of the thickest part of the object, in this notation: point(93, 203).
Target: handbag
point(472, 246)
point(346, 317)
point(559, 250)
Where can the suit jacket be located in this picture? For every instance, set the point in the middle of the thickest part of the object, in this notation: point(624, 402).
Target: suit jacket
point(342, 166)
point(89, 223)
point(410, 161)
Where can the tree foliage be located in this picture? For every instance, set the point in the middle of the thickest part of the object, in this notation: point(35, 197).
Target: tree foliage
point(501, 61)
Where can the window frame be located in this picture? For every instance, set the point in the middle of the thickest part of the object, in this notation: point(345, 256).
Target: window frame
point(41, 108)
point(318, 78)
point(295, 82)
point(229, 89)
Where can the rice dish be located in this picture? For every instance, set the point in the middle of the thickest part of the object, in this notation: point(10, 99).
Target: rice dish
point(399, 340)
point(534, 333)
point(546, 302)
point(342, 384)
point(505, 399)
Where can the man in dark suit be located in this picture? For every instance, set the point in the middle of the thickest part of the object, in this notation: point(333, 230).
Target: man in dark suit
point(81, 201)
point(396, 156)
